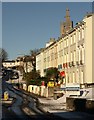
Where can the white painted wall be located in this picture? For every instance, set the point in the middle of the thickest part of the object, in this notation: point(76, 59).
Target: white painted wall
point(88, 49)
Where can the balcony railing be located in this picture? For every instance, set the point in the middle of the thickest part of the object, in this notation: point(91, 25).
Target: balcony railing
point(73, 63)
point(81, 62)
point(70, 64)
point(77, 63)
point(64, 65)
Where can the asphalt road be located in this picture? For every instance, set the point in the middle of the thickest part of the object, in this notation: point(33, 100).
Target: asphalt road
point(8, 113)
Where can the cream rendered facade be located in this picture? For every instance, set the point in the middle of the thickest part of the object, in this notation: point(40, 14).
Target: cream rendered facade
point(47, 58)
point(72, 53)
point(39, 63)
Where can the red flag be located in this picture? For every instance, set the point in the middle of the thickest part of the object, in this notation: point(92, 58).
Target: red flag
point(62, 73)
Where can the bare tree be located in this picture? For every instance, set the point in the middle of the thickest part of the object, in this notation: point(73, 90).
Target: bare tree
point(33, 54)
point(3, 54)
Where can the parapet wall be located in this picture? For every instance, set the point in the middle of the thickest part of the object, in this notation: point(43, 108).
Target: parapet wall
point(80, 104)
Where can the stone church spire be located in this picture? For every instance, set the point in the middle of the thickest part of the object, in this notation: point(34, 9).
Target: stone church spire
point(67, 16)
point(67, 25)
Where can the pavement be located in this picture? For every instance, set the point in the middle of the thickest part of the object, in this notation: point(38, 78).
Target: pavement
point(8, 102)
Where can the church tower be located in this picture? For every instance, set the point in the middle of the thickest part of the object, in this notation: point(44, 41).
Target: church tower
point(67, 25)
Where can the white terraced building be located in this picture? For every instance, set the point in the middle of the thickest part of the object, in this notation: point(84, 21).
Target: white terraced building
point(72, 52)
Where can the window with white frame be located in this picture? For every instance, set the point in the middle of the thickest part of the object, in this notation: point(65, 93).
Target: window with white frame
point(67, 42)
point(58, 54)
point(77, 76)
point(64, 43)
point(62, 58)
point(82, 77)
point(73, 77)
point(61, 52)
point(74, 37)
point(82, 33)
point(79, 35)
point(70, 79)
point(74, 56)
point(67, 57)
point(71, 57)
point(79, 55)
point(71, 40)
point(66, 77)
point(83, 55)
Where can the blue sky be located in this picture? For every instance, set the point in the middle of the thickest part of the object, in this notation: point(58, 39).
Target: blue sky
point(29, 25)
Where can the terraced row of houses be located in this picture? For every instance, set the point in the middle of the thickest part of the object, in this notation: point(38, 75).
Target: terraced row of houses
point(72, 52)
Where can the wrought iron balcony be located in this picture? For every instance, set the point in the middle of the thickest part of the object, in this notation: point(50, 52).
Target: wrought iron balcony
point(81, 62)
point(70, 64)
point(77, 63)
point(73, 63)
point(64, 65)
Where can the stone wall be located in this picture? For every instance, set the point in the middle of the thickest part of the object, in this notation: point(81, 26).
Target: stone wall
point(80, 104)
point(50, 91)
